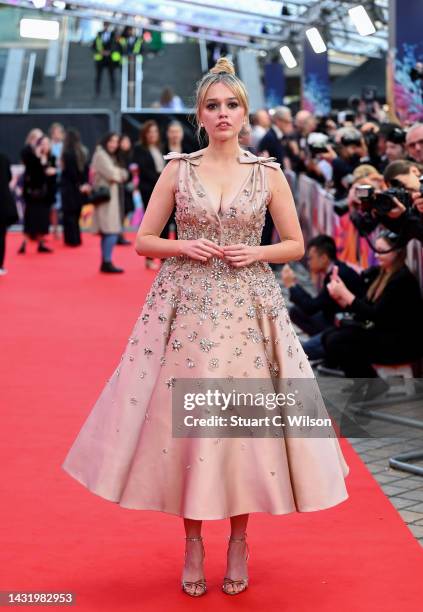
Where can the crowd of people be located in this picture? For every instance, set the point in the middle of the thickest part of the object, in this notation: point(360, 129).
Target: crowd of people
point(343, 156)
point(60, 177)
point(356, 319)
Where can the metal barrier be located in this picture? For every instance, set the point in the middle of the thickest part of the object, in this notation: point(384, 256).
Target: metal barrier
point(17, 76)
point(131, 84)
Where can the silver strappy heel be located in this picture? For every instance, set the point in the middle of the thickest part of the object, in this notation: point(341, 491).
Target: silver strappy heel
point(242, 582)
point(197, 584)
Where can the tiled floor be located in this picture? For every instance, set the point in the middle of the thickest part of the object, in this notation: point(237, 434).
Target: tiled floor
point(404, 490)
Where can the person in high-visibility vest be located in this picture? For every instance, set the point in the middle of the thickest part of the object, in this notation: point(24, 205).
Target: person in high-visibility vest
point(130, 43)
point(107, 55)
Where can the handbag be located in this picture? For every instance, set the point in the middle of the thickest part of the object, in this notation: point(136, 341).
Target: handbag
point(100, 195)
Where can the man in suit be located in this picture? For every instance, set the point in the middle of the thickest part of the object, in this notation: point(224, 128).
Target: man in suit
point(272, 142)
point(315, 314)
point(273, 145)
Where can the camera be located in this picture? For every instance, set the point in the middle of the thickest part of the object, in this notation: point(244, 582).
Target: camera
point(382, 202)
point(375, 208)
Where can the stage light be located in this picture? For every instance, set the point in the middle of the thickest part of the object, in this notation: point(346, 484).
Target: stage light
point(39, 4)
point(361, 20)
point(39, 28)
point(316, 41)
point(287, 57)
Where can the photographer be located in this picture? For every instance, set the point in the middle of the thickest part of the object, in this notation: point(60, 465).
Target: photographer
point(386, 325)
point(314, 314)
point(351, 151)
point(355, 249)
point(319, 158)
point(407, 215)
point(372, 136)
point(394, 138)
point(397, 208)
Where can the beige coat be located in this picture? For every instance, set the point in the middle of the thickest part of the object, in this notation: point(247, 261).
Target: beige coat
point(106, 217)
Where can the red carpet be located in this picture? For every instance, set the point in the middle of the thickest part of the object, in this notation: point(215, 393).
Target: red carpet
point(64, 327)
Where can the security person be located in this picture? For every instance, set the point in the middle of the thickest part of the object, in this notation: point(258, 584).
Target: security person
point(130, 43)
point(107, 55)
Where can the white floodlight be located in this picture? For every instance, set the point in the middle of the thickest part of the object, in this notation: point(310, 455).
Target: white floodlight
point(361, 20)
point(287, 57)
point(316, 41)
point(39, 28)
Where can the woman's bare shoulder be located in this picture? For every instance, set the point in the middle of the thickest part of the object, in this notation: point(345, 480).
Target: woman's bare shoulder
point(275, 176)
point(169, 175)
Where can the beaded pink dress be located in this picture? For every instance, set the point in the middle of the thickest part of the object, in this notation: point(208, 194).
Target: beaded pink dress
point(206, 320)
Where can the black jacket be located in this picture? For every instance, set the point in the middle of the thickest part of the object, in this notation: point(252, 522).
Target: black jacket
point(8, 210)
point(275, 147)
point(399, 309)
point(38, 188)
point(71, 180)
point(323, 302)
point(147, 171)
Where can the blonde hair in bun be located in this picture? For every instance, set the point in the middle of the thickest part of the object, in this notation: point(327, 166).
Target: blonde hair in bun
point(222, 72)
point(223, 65)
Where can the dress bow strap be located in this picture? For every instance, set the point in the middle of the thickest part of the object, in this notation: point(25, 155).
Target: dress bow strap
point(249, 158)
point(192, 158)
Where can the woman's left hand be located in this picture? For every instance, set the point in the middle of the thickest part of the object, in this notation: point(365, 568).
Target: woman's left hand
point(240, 255)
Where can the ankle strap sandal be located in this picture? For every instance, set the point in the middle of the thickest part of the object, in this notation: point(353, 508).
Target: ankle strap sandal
point(195, 588)
point(239, 585)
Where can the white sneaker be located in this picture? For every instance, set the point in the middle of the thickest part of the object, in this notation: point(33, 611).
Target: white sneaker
point(3, 271)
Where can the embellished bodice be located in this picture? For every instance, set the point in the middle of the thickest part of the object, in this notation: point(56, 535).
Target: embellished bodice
point(215, 288)
point(241, 221)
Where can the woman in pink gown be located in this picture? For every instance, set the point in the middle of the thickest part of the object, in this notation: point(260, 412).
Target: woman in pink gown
point(214, 311)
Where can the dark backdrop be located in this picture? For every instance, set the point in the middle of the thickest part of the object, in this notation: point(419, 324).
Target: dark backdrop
point(132, 122)
point(15, 127)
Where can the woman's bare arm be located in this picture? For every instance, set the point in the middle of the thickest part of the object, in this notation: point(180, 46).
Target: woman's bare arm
point(284, 215)
point(158, 211)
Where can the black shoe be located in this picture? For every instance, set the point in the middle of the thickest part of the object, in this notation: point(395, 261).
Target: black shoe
point(122, 240)
point(22, 248)
point(42, 248)
point(107, 266)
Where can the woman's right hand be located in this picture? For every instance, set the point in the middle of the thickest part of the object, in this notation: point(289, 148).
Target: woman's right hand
point(201, 249)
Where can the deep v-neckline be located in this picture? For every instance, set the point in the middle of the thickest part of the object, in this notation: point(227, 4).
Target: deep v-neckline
point(219, 212)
